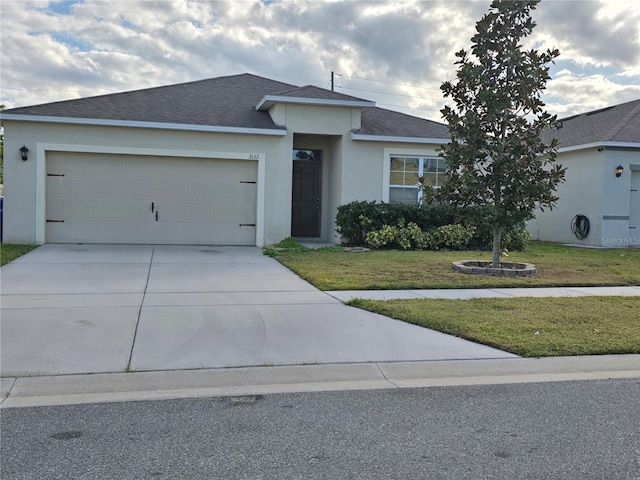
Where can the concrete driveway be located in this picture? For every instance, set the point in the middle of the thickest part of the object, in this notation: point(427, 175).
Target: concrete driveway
point(70, 309)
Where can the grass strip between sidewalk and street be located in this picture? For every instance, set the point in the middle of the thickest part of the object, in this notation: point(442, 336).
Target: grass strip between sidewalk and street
point(9, 252)
point(332, 268)
point(529, 327)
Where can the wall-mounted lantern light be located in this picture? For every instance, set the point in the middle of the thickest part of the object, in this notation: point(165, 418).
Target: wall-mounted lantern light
point(23, 153)
point(619, 170)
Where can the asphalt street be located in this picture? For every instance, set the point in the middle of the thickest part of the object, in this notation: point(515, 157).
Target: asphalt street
point(561, 430)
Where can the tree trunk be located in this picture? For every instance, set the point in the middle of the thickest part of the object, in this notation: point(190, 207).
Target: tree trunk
point(497, 240)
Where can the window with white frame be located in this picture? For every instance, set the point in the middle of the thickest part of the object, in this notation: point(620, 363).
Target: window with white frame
point(404, 174)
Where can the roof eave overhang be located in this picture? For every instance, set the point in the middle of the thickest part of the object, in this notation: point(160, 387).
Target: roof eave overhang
point(269, 101)
point(394, 139)
point(605, 144)
point(138, 124)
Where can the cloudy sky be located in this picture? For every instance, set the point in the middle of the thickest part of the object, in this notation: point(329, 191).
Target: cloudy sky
point(394, 52)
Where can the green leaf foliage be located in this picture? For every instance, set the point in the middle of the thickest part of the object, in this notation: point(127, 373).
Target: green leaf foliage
point(420, 227)
point(499, 168)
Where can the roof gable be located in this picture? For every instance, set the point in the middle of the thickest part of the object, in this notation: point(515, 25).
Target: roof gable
point(310, 95)
point(310, 91)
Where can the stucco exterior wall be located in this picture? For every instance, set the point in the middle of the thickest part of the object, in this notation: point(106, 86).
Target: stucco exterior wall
point(24, 179)
point(592, 189)
point(581, 193)
point(317, 120)
point(367, 171)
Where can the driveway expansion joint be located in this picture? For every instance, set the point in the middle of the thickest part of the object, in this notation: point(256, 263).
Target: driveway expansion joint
point(144, 294)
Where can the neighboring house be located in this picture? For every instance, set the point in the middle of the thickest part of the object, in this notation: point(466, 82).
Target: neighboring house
point(601, 151)
point(238, 160)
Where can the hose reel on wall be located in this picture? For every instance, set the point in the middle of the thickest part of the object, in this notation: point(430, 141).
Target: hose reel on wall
point(580, 226)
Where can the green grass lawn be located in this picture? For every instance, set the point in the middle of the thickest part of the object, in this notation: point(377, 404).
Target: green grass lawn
point(9, 252)
point(557, 265)
point(529, 327)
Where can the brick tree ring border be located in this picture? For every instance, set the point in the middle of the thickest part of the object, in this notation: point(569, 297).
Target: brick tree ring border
point(507, 269)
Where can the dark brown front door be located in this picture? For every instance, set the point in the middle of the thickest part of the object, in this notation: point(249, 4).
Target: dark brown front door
point(305, 205)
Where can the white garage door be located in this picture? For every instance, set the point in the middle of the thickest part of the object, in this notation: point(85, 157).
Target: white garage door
point(99, 198)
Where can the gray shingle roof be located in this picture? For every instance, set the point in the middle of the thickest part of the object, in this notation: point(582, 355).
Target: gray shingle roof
point(619, 123)
point(378, 121)
point(224, 101)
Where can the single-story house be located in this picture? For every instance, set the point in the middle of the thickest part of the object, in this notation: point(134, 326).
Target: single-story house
point(236, 160)
point(599, 203)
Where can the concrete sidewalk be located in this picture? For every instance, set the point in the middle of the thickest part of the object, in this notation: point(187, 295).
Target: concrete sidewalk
point(467, 294)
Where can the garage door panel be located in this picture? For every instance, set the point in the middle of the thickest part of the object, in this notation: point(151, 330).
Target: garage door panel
point(231, 204)
point(205, 191)
point(197, 213)
point(86, 232)
point(97, 198)
point(103, 186)
point(102, 232)
point(90, 209)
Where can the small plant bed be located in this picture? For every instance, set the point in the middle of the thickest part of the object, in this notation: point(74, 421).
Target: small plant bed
point(9, 252)
point(529, 327)
point(506, 269)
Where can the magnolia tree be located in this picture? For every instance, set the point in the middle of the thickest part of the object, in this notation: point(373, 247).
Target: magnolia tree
point(499, 168)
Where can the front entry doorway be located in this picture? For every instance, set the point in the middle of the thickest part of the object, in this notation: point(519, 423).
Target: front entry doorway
point(306, 193)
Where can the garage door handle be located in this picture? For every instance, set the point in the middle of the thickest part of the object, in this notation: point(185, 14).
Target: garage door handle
point(152, 207)
point(156, 215)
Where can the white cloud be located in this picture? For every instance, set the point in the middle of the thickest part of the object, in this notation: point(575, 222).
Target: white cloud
point(53, 51)
point(592, 32)
point(575, 93)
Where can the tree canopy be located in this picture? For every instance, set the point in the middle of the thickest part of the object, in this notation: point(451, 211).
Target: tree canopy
point(498, 165)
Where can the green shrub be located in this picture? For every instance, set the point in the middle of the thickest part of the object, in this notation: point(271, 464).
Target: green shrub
point(454, 237)
point(517, 239)
point(384, 225)
point(356, 219)
point(410, 237)
point(385, 237)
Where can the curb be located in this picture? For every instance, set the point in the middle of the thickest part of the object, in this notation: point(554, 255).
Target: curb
point(166, 385)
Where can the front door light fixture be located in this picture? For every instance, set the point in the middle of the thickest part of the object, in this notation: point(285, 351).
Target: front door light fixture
point(23, 153)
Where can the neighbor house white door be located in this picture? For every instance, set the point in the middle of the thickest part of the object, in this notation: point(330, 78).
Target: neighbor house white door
point(104, 198)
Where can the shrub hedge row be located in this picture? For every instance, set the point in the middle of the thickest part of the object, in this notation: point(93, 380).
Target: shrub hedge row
point(429, 227)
